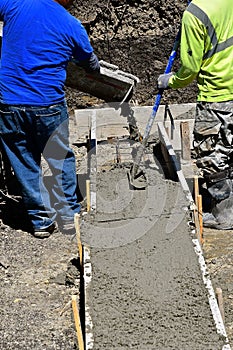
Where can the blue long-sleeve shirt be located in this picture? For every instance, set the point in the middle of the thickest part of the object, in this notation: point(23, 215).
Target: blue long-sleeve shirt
point(39, 38)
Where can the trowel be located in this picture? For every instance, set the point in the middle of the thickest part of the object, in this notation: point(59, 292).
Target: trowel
point(137, 178)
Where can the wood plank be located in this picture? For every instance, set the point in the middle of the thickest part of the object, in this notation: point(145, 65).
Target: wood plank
point(185, 140)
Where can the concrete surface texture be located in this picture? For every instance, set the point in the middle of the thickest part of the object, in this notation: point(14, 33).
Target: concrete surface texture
point(147, 290)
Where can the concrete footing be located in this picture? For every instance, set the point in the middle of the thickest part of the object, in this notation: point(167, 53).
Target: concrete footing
point(109, 128)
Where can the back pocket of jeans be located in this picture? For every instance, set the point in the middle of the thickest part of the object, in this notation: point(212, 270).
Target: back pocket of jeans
point(8, 123)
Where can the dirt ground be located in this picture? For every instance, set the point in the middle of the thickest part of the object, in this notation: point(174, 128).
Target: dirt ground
point(217, 249)
point(38, 277)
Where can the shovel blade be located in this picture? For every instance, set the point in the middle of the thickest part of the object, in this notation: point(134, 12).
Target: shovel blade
point(137, 181)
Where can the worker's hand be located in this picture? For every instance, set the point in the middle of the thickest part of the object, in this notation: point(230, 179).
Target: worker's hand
point(163, 80)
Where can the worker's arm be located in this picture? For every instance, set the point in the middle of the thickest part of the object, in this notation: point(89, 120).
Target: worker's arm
point(4, 4)
point(191, 51)
point(83, 54)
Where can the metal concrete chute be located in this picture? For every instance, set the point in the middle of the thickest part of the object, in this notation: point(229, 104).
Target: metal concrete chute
point(111, 84)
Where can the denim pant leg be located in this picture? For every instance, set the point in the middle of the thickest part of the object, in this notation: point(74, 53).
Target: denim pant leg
point(61, 161)
point(18, 134)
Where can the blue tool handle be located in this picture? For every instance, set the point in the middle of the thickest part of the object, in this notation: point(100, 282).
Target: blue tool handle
point(173, 54)
point(160, 93)
point(174, 51)
point(156, 104)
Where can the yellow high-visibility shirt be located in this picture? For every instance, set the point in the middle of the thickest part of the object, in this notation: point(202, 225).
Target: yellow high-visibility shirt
point(206, 50)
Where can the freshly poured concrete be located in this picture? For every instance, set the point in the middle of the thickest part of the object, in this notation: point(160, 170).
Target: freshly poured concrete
point(146, 290)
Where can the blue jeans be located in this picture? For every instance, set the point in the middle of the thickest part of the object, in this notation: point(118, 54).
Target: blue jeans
point(27, 133)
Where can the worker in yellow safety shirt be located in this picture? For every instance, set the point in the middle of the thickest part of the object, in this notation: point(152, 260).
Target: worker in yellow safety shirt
point(206, 52)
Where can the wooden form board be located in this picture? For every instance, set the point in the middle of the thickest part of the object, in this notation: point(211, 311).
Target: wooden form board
point(114, 122)
point(185, 140)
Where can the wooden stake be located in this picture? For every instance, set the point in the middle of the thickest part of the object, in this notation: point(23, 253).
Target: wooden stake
point(88, 195)
point(200, 216)
point(196, 189)
point(78, 235)
point(185, 140)
point(197, 224)
point(196, 210)
point(220, 302)
point(77, 323)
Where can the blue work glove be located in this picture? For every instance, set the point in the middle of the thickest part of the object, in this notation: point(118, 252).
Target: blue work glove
point(163, 79)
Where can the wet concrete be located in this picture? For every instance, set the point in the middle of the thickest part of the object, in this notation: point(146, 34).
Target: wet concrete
point(147, 290)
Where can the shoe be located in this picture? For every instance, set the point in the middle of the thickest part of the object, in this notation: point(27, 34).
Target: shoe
point(210, 221)
point(45, 232)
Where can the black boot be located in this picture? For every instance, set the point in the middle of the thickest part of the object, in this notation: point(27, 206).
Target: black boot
point(221, 216)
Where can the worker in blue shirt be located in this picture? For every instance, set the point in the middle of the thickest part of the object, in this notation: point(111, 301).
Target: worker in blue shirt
point(39, 38)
